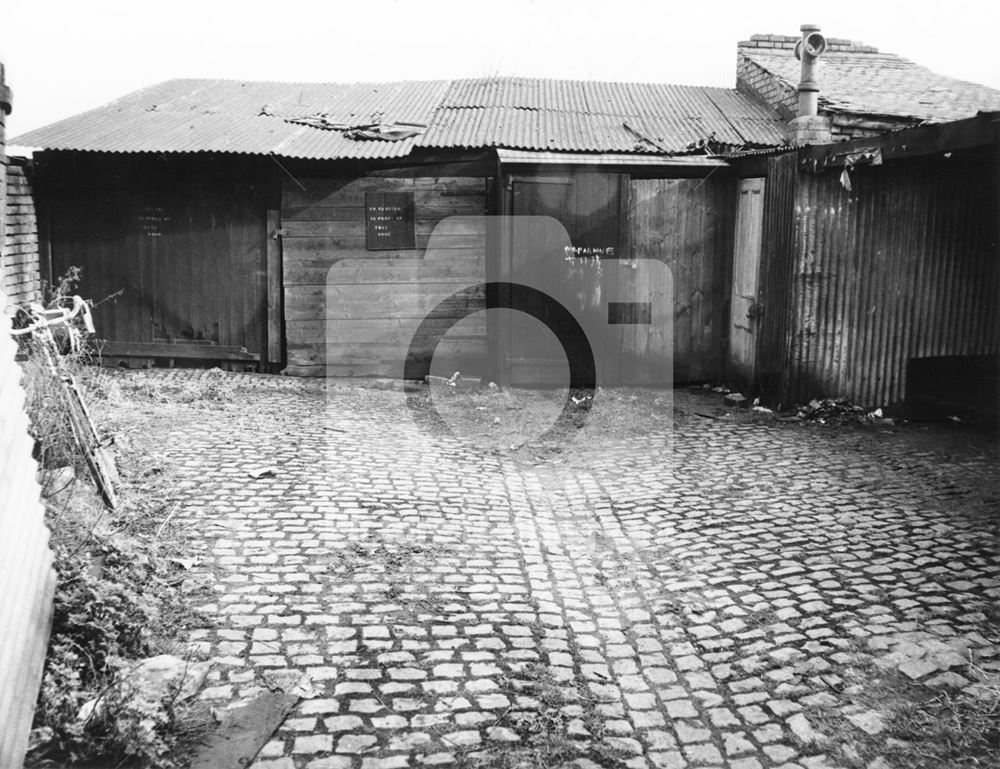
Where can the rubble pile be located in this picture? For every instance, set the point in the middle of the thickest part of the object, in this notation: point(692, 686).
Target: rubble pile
point(840, 411)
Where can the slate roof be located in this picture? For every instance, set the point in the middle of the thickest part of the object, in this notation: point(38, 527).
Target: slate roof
point(858, 79)
point(514, 113)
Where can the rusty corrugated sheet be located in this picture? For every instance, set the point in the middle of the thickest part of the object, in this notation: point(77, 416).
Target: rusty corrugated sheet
point(904, 265)
point(244, 117)
point(518, 113)
point(573, 115)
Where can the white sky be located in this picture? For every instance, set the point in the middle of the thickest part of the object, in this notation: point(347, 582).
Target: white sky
point(65, 56)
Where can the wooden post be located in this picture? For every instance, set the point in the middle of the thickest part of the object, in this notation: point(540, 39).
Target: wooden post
point(502, 235)
point(492, 275)
point(274, 289)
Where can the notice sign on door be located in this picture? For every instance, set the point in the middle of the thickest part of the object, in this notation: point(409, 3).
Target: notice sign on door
point(389, 220)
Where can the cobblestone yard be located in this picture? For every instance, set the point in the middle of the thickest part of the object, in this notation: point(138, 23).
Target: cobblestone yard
point(708, 593)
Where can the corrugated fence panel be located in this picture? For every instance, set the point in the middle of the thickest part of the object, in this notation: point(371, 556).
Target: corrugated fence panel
point(26, 577)
point(904, 265)
point(19, 270)
point(27, 580)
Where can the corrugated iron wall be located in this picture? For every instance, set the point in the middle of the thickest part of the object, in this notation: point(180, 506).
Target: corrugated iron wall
point(26, 577)
point(904, 265)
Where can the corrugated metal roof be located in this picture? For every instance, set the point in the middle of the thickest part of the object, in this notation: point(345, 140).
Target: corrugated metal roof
point(869, 83)
point(518, 113)
point(609, 159)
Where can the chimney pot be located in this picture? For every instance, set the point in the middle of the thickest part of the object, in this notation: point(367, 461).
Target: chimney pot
point(808, 49)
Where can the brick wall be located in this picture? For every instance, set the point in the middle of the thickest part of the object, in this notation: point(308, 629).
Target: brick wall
point(787, 43)
point(753, 80)
point(19, 268)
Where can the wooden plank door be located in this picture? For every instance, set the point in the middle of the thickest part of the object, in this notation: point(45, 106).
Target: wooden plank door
point(537, 247)
point(684, 227)
point(564, 239)
point(746, 310)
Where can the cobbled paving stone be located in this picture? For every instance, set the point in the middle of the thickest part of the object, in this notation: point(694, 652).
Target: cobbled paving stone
point(682, 599)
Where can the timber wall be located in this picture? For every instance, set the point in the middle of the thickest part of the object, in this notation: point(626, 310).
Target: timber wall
point(172, 249)
point(688, 225)
point(350, 311)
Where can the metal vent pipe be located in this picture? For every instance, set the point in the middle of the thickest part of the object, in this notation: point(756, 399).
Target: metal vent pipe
point(807, 50)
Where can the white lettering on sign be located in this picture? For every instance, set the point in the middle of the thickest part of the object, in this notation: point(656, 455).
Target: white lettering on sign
point(592, 253)
point(389, 220)
point(151, 219)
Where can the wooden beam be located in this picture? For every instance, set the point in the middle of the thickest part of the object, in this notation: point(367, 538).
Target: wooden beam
point(936, 138)
point(188, 350)
point(274, 288)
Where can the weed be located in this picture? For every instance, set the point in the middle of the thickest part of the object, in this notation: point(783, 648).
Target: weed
point(118, 599)
point(950, 730)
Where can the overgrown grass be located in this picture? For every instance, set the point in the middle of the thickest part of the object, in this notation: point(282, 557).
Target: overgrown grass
point(119, 598)
point(950, 729)
point(924, 727)
point(118, 595)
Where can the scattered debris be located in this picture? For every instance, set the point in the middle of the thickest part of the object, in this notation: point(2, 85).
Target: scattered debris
point(263, 472)
point(153, 680)
point(917, 655)
point(735, 400)
point(870, 721)
point(804, 731)
point(840, 411)
point(455, 380)
point(292, 682)
point(243, 731)
point(447, 381)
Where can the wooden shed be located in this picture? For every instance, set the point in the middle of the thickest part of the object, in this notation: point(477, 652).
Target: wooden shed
point(310, 228)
